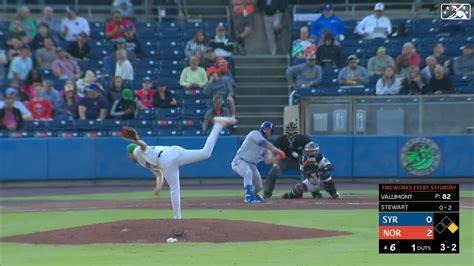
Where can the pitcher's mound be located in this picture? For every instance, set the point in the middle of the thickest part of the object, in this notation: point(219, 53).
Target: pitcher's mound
point(158, 230)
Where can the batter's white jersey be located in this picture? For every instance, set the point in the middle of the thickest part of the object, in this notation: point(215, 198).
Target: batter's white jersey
point(150, 158)
point(253, 148)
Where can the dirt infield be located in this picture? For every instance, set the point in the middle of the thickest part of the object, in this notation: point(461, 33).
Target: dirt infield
point(158, 230)
point(190, 203)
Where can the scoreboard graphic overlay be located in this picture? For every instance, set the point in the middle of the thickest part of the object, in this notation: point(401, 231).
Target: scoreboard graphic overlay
point(419, 218)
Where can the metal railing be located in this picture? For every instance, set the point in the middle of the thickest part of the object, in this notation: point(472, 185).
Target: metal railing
point(388, 115)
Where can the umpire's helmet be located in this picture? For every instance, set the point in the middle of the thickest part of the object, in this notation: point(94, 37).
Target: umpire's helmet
point(266, 125)
point(311, 150)
point(291, 129)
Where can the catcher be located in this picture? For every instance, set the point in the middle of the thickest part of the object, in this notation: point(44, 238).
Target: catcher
point(315, 169)
point(164, 161)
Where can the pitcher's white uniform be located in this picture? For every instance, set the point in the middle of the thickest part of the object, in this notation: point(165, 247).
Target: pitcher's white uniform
point(168, 159)
point(252, 151)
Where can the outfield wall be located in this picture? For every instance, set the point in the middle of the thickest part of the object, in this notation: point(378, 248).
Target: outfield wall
point(105, 158)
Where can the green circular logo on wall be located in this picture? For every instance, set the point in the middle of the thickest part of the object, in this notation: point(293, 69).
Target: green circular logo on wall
point(420, 156)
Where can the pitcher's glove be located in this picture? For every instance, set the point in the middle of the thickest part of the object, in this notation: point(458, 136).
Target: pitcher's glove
point(130, 134)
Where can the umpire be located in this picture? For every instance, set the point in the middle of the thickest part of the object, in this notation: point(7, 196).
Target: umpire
point(293, 145)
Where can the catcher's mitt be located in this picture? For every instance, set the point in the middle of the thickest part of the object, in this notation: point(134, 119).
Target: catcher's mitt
point(130, 133)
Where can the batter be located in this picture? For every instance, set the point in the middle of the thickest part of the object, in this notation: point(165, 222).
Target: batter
point(164, 161)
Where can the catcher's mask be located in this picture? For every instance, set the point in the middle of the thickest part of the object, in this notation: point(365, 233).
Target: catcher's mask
point(311, 150)
point(291, 130)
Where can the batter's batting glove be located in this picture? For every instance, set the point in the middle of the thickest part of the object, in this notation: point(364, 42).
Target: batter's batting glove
point(280, 154)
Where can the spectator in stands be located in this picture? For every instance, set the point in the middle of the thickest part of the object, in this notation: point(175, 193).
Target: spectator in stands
point(302, 43)
point(45, 56)
point(217, 86)
point(3, 63)
point(65, 67)
point(80, 49)
point(116, 88)
point(14, 47)
point(125, 107)
point(38, 40)
point(353, 74)
point(306, 75)
point(20, 95)
point(48, 18)
point(27, 85)
point(438, 53)
point(68, 105)
point(193, 76)
point(219, 63)
point(198, 43)
point(16, 30)
point(440, 83)
point(272, 17)
point(50, 93)
point(389, 83)
point(145, 96)
point(163, 98)
point(115, 28)
point(328, 21)
point(217, 110)
point(123, 68)
point(110, 60)
point(329, 54)
point(27, 22)
point(21, 64)
point(243, 21)
point(73, 25)
point(133, 44)
point(408, 58)
point(379, 62)
point(376, 25)
point(412, 85)
point(464, 64)
point(221, 44)
point(10, 116)
point(40, 108)
point(12, 93)
point(94, 106)
point(125, 7)
point(83, 83)
point(428, 71)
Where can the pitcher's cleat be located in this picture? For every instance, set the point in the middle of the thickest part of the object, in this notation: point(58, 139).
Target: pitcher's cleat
point(225, 120)
point(336, 196)
point(260, 197)
point(250, 198)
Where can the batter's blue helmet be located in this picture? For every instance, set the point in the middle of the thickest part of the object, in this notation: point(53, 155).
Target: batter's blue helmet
point(266, 125)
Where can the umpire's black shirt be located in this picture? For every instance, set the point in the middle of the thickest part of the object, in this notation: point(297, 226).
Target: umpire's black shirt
point(297, 146)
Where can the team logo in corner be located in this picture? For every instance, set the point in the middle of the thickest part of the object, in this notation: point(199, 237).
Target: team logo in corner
point(420, 156)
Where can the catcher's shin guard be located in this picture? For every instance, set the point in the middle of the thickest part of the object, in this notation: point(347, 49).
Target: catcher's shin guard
point(296, 192)
point(330, 186)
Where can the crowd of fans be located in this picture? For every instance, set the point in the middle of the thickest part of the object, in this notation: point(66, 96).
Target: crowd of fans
point(324, 47)
point(61, 46)
point(58, 47)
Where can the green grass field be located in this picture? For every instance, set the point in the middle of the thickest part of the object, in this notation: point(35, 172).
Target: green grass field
point(360, 248)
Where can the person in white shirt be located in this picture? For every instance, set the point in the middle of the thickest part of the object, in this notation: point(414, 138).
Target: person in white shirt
point(73, 25)
point(123, 67)
point(389, 83)
point(372, 26)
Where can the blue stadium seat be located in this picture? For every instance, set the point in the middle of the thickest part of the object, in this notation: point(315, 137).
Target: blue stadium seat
point(176, 64)
point(170, 44)
point(98, 54)
point(191, 102)
point(171, 54)
point(20, 134)
point(193, 94)
point(69, 134)
point(360, 91)
point(146, 113)
point(161, 123)
point(59, 125)
point(193, 113)
point(170, 72)
point(168, 132)
point(192, 132)
point(34, 125)
point(150, 53)
point(140, 123)
point(46, 74)
point(87, 125)
point(190, 123)
point(94, 134)
point(146, 132)
point(168, 113)
point(110, 124)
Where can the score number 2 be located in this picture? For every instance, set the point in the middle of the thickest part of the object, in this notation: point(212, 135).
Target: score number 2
point(444, 247)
